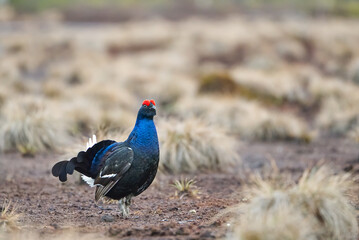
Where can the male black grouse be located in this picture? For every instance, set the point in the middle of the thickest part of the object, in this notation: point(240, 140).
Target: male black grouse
point(119, 170)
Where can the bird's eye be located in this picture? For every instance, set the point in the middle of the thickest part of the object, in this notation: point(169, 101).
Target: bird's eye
point(144, 106)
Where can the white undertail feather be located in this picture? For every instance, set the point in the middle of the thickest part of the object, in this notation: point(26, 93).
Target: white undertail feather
point(92, 141)
point(88, 180)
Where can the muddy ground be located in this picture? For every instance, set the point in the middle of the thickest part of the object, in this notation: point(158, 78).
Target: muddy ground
point(50, 207)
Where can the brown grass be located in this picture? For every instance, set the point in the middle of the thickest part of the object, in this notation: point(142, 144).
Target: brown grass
point(28, 127)
point(246, 118)
point(67, 234)
point(192, 146)
point(338, 115)
point(285, 223)
point(186, 188)
point(9, 218)
point(96, 79)
point(272, 87)
point(317, 205)
point(168, 89)
point(217, 82)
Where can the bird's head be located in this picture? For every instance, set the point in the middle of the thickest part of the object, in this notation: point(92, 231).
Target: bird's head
point(148, 109)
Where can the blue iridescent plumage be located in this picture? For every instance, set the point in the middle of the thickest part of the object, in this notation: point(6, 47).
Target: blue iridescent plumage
point(98, 158)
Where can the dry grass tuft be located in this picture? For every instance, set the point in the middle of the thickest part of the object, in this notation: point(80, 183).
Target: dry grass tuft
point(191, 146)
point(66, 234)
point(186, 188)
point(9, 219)
point(29, 128)
point(220, 82)
point(338, 116)
point(323, 195)
point(285, 223)
point(247, 118)
point(100, 78)
point(271, 87)
point(167, 89)
point(338, 113)
point(354, 134)
point(315, 208)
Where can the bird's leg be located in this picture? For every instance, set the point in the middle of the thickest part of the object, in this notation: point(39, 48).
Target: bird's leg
point(128, 203)
point(122, 206)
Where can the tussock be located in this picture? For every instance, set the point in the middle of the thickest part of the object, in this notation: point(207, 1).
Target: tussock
point(338, 113)
point(217, 82)
point(337, 116)
point(316, 205)
point(285, 223)
point(167, 89)
point(9, 218)
point(29, 128)
point(54, 88)
point(82, 121)
point(108, 94)
point(192, 146)
point(309, 67)
point(278, 86)
point(66, 234)
point(186, 188)
point(246, 118)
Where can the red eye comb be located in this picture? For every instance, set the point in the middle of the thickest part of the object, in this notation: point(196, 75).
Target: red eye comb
point(146, 102)
point(153, 102)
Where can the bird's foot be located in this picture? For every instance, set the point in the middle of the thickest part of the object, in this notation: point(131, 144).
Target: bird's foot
point(124, 205)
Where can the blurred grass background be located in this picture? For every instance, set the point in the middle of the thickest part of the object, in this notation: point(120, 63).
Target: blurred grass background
point(263, 70)
point(347, 8)
point(221, 72)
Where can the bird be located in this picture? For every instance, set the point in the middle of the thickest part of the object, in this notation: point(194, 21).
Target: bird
point(119, 170)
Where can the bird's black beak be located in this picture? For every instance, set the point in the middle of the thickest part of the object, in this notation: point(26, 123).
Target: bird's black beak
point(153, 107)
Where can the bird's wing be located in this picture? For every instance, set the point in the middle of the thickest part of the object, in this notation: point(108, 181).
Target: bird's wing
point(117, 163)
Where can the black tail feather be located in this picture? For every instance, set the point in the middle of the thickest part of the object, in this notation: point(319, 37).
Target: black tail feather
point(63, 174)
point(57, 168)
point(81, 163)
point(61, 169)
point(70, 167)
point(82, 156)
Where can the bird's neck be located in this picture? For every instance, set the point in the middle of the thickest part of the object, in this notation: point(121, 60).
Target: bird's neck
point(144, 134)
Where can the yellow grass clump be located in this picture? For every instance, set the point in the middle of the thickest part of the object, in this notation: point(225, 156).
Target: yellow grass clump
point(314, 208)
point(339, 112)
point(186, 188)
point(9, 218)
point(85, 115)
point(247, 118)
point(165, 88)
point(276, 87)
point(285, 223)
point(192, 145)
point(268, 62)
point(66, 234)
point(28, 127)
point(220, 82)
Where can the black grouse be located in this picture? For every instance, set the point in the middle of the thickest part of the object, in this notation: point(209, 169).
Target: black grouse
point(119, 170)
